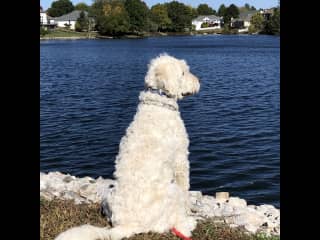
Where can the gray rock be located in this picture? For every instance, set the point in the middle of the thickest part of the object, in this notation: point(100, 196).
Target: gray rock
point(68, 179)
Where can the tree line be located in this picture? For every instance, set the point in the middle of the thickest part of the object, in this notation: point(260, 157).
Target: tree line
point(119, 17)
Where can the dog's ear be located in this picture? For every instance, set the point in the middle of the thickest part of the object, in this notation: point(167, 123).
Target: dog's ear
point(165, 73)
point(167, 79)
point(161, 74)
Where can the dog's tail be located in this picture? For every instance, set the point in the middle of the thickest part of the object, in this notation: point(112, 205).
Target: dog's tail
point(89, 232)
point(84, 232)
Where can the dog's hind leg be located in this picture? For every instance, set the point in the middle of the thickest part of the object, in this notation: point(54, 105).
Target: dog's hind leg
point(186, 225)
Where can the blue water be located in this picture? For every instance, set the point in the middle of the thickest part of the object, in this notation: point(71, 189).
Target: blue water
point(89, 93)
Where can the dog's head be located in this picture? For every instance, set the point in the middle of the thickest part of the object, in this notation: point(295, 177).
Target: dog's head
point(172, 76)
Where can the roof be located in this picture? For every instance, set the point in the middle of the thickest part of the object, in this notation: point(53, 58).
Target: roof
point(50, 18)
point(270, 10)
point(207, 17)
point(246, 16)
point(72, 16)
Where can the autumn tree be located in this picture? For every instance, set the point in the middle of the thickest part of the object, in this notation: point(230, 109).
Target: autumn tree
point(111, 17)
point(159, 15)
point(256, 23)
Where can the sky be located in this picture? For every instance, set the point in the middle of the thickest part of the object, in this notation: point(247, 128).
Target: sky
point(212, 3)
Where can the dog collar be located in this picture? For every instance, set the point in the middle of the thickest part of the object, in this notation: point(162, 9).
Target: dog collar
point(159, 92)
point(155, 102)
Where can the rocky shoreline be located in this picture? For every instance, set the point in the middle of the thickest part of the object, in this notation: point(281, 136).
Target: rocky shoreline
point(232, 210)
point(66, 38)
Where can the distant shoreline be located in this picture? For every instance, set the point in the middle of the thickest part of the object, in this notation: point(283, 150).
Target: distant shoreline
point(139, 37)
point(65, 38)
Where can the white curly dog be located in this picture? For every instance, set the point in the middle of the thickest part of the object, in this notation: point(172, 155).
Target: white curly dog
point(152, 167)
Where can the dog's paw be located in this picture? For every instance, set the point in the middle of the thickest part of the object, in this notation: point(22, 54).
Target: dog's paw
point(187, 226)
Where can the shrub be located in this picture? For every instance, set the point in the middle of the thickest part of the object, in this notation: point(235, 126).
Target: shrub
point(43, 31)
point(67, 26)
point(78, 27)
point(204, 25)
point(252, 29)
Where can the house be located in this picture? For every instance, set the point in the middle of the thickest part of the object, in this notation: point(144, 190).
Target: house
point(243, 21)
point(45, 20)
point(207, 22)
point(43, 17)
point(69, 19)
point(267, 13)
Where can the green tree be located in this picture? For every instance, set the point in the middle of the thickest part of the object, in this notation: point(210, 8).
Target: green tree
point(180, 15)
point(256, 23)
point(159, 15)
point(82, 7)
point(204, 9)
point(43, 31)
point(82, 22)
point(150, 25)
point(231, 12)
point(138, 13)
point(246, 8)
point(222, 10)
point(275, 20)
point(111, 17)
point(96, 8)
point(60, 7)
point(194, 12)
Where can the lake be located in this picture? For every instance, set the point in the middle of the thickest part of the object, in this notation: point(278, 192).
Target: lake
point(89, 94)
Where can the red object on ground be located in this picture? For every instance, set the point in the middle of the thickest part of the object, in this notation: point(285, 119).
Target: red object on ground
point(179, 234)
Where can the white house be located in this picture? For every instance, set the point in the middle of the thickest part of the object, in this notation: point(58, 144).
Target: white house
point(207, 22)
point(68, 19)
point(45, 20)
point(43, 17)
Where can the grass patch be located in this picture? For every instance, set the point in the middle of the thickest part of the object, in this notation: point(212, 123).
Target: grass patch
point(58, 33)
point(57, 216)
point(210, 31)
